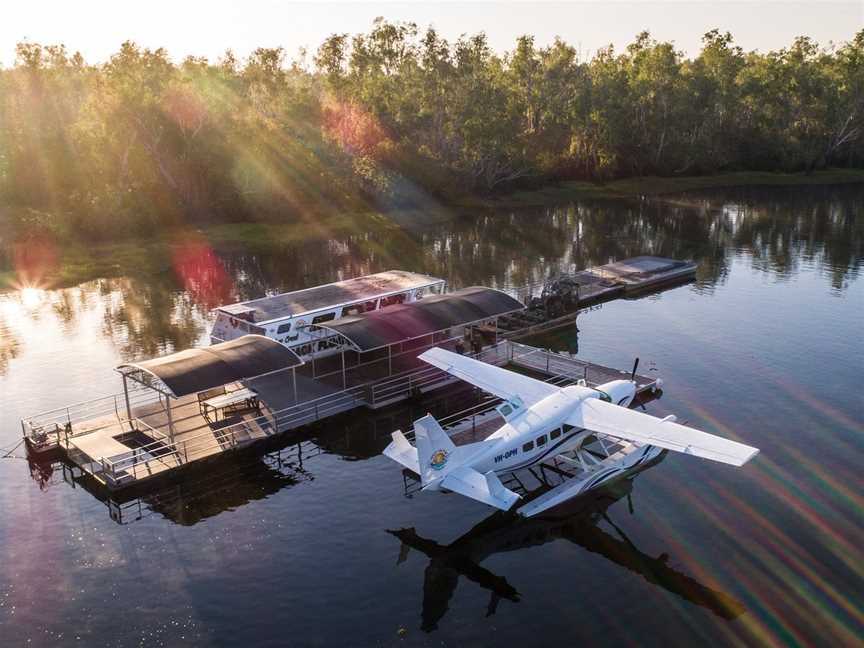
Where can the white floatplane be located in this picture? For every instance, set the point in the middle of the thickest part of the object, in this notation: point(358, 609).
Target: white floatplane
point(543, 421)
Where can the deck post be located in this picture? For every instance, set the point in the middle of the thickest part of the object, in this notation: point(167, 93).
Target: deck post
point(294, 382)
point(344, 382)
point(170, 419)
point(389, 359)
point(126, 396)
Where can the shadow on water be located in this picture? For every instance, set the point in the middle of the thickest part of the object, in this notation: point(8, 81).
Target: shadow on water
point(231, 480)
point(577, 521)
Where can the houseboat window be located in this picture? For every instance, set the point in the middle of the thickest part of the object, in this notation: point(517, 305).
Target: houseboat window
point(505, 410)
point(326, 317)
point(528, 447)
point(370, 305)
point(555, 433)
point(283, 328)
point(541, 440)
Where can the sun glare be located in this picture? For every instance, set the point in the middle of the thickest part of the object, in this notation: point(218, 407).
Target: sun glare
point(31, 296)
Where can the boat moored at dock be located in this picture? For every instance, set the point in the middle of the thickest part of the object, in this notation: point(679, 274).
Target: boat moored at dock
point(294, 318)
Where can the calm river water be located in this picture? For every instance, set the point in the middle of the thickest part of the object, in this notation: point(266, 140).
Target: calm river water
point(765, 347)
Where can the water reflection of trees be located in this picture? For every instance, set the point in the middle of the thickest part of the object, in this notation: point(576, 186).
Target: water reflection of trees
point(150, 317)
point(153, 309)
point(9, 345)
point(785, 229)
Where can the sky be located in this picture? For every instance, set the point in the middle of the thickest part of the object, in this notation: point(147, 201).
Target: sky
point(206, 28)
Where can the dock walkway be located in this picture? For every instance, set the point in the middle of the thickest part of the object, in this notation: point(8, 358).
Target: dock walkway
point(120, 451)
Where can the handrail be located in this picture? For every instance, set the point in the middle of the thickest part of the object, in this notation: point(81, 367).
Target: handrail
point(484, 407)
point(163, 448)
point(315, 408)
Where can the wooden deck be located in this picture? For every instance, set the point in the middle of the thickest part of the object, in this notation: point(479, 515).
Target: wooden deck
point(119, 451)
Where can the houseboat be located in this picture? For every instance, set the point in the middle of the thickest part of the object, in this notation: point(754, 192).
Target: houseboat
point(294, 318)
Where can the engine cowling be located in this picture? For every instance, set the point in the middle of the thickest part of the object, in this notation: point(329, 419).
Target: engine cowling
point(619, 392)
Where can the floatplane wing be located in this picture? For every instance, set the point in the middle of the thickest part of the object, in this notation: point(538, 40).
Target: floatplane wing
point(624, 423)
point(502, 383)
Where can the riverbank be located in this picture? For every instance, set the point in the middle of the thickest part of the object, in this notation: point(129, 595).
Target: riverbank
point(50, 260)
point(652, 186)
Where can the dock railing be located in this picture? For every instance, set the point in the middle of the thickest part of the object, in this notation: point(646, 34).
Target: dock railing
point(124, 466)
point(428, 377)
point(166, 452)
point(58, 423)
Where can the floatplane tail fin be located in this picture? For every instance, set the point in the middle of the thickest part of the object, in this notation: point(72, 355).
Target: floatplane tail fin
point(441, 464)
point(624, 423)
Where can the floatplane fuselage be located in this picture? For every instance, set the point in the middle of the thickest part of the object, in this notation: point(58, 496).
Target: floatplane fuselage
point(542, 421)
point(535, 433)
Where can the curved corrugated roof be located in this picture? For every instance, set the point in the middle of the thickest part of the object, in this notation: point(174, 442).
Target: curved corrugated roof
point(393, 324)
point(196, 370)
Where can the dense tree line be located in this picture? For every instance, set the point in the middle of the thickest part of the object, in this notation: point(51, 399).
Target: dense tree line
point(397, 116)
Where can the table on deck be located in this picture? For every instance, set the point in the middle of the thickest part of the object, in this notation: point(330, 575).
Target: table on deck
point(242, 396)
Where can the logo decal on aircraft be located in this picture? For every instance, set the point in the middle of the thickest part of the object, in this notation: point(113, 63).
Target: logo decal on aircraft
point(438, 459)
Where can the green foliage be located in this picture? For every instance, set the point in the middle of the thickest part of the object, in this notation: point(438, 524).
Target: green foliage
point(400, 116)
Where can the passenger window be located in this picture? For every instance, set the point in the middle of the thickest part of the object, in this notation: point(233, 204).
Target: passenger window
point(283, 328)
point(528, 447)
point(541, 440)
point(555, 433)
point(324, 318)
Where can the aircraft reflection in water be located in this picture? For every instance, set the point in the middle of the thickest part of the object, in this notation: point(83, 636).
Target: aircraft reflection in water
point(577, 521)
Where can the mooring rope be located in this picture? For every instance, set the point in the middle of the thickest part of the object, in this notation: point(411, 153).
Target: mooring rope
point(8, 453)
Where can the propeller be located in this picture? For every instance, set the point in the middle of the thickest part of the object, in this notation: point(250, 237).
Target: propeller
point(633, 373)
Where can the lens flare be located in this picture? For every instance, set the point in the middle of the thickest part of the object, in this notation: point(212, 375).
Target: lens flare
point(201, 272)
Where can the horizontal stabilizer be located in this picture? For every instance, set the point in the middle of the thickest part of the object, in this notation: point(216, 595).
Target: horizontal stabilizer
point(403, 452)
point(497, 381)
point(483, 488)
point(599, 416)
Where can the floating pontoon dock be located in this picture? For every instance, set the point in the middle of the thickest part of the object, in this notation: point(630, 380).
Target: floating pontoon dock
point(197, 404)
point(120, 448)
